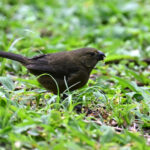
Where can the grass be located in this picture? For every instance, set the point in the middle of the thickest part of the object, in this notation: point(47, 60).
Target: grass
point(116, 100)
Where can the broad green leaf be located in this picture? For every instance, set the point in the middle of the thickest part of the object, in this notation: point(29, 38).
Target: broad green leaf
point(7, 83)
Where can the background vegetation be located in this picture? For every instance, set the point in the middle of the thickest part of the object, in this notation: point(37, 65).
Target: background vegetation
point(116, 100)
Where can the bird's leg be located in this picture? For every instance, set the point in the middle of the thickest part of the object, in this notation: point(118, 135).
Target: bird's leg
point(64, 96)
point(77, 108)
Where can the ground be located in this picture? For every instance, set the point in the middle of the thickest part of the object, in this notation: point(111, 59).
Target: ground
point(115, 112)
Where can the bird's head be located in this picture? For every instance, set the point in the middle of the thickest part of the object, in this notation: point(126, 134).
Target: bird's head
point(89, 56)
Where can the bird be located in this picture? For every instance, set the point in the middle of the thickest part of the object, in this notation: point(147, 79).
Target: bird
point(60, 71)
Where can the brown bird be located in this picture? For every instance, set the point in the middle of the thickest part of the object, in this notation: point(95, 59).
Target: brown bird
point(60, 71)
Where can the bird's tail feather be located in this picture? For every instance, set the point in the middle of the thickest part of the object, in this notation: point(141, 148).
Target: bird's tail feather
point(15, 57)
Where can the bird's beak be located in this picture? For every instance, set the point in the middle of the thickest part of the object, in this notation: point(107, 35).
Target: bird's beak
point(101, 55)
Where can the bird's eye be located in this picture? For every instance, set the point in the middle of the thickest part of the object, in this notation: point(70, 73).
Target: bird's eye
point(91, 54)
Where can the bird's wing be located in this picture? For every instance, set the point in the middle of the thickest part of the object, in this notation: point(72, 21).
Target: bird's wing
point(57, 71)
point(57, 68)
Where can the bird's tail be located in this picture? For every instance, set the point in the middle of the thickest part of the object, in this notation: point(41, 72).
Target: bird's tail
point(15, 57)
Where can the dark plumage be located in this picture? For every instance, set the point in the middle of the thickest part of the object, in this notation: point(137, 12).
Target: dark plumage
point(74, 67)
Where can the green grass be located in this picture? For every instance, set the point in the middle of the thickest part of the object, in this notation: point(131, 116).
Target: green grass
point(116, 100)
